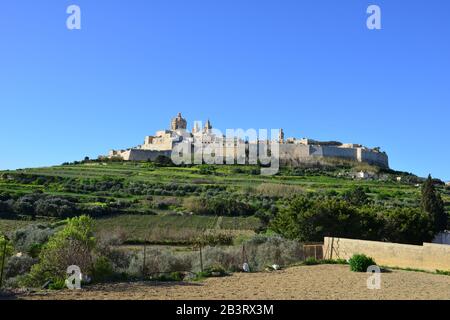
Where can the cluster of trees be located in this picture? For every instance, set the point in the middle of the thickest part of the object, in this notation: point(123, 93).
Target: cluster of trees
point(219, 206)
point(113, 186)
point(45, 205)
point(310, 220)
point(172, 189)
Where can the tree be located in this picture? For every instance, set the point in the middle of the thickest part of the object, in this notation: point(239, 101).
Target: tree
point(408, 225)
point(356, 196)
point(308, 220)
point(433, 205)
point(163, 161)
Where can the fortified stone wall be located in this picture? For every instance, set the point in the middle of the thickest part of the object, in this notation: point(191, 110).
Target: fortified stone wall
point(143, 155)
point(371, 157)
point(290, 154)
point(333, 152)
point(296, 153)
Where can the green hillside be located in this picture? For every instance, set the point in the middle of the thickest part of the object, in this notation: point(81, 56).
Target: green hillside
point(142, 201)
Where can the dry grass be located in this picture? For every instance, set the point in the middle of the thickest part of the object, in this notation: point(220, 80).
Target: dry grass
point(278, 190)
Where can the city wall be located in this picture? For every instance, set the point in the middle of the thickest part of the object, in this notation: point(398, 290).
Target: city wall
point(290, 154)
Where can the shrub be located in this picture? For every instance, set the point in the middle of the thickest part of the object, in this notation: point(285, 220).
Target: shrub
point(158, 261)
point(25, 205)
point(332, 261)
point(102, 269)
point(55, 207)
point(268, 250)
point(206, 169)
point(19, 265)
point(218, 206)
point(212, 271)
point(279, 190)
point(168, 277)
point(57, 284)
point(230, 258)
point(119, 259)
point(360, 263)
point(356, 196)
point(408, 225)
point(31, 238)
point(14, 283)
point(216, 239)
point(311, 261)
point(163, 161)
point(72, 245)
point(442, 272)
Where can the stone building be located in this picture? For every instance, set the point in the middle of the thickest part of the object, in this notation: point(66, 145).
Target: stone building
point(292, 151)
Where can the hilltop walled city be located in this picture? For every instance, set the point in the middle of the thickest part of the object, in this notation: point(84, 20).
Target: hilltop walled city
point(292, 151)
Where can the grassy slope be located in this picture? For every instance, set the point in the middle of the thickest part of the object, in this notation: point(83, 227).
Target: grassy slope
point(139, 227)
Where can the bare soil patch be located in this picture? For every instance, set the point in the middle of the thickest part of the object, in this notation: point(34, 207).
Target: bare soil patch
point(300, 283)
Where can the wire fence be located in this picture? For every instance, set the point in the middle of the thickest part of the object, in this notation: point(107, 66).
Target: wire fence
point(257, 255)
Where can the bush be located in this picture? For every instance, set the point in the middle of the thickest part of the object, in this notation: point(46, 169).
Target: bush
point(332, 261)
point(206, 169)
point(157, 262)
point(279, 190)
point(356, 196)
point(215, 239)
point(230, 258)
point(19, 265)
point(311, 261)
point(218, 206)
point(213, 271)
point(102, 270)
point(57, 284)
point(360, 263)
point(163, 161)
point(268, 250)
point(72, 245)
point(173, 276)
point(31, 238)
point(408, 225)
point(14, 283)
point(55, 207)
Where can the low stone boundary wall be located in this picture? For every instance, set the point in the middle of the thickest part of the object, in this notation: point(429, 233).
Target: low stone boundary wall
point(429, 256)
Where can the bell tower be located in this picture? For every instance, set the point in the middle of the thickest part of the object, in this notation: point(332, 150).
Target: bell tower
point(281, 136)
point(178, 123)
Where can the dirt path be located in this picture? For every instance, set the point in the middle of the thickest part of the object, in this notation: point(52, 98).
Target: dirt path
point(306, 282)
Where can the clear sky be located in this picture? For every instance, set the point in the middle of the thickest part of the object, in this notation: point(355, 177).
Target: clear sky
point(311, 67)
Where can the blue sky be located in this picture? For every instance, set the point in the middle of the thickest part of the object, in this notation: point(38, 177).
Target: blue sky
point(311, 67)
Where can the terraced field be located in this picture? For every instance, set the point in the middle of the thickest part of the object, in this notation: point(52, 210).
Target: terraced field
point(144, 202)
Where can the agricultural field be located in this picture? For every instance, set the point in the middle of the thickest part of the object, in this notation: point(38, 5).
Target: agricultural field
point(322, 282)
point(144, 202)
point(128, 222)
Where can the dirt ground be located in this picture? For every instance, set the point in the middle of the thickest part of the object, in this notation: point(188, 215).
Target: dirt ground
point(300, 283)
